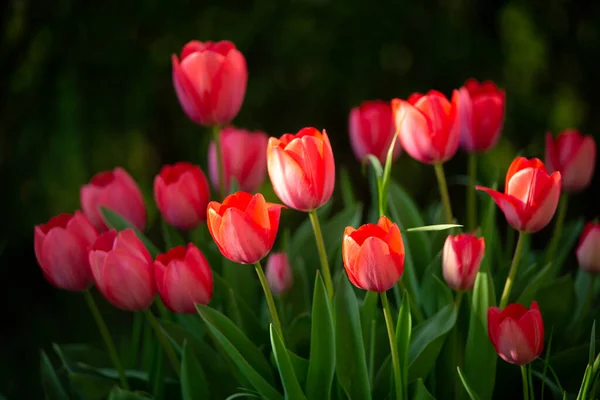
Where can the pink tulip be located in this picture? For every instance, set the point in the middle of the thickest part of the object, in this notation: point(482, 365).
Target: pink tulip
point(461, 260)
point(588, 249)
point(574, 156)
point(279, 273)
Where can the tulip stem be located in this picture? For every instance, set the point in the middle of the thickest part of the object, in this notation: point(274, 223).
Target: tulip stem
point(110, 345)
point(558, 227)
point(389, 322)
point(162, 338)
point(513, 270)
point(525, 382)
point(270, 302)
point(471, 199)
point(414, 308)
point(458, 300)
point(441, 178)
point(314, 219)
point(220, 167)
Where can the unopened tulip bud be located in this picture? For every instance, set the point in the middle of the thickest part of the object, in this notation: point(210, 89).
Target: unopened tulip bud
point(588, 249)
point(279, 273)
point(574, 156)
point(461, 260)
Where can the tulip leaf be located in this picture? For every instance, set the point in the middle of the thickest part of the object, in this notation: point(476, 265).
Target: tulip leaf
point(119, 394)
point(115, 221)
point(387, 172)
point(437, 227)
point(53, 388)
point(348, 196)
point(403, 333)
point(383, 386)
point(351, 366)
point(375, 163)
point(91, 387)
point(368, 314)
point(421, 392)
point(194, 384)
point(292, 388)
point(471, 393)
point(557, 310)
point(427, 340)
point(171, 235)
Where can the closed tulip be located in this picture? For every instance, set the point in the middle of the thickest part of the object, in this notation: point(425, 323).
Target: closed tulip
point(373, 255)
point(588, 249)
point(210, 81)
point(61, 247)
point(302, 169)
point(372, 129)
point(530, 195)
point(516, 332)
point(117, 191)
point(244, 226)
point(482, 108)
point(244, 158)
point(428, 126)
point(181, 193)
point(279, 273)
point(461, 260)
point(574, 156)
point(123, 271)
point(183, 279)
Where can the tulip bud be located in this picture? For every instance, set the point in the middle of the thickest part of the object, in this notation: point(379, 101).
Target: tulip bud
point(244, 158)
point(588, 249)
point(210, 81)
point(482, 107)
point(117, 191)
point(372, 129)
point(181, 193)
point(61, 250)
point(530, 195)
point(122, 268)
point(428, 126)
point(516, 333)
point(302, 169)
point(574, 156)
point(373, 255)
point(183, 279)
point(461, 260)
point(279, 273)
point(244, 227)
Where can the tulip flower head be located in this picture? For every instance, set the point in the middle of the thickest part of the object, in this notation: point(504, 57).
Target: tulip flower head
point(516, 332)
point(574, 156)
point(588, 249)
point(373, 255)
point(279, 273)
point(530, 195)
point(461, 260)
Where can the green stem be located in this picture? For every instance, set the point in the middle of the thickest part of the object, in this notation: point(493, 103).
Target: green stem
point(471, 199)
point(558, 227)
point(270, 301)
point(220, 168)
point(513, 270)
point(389, 322)
point(441, 178)
point(112, 352)
point(314, 219)
point(525, 382)
point(372, 351)
point(163, 341)
point(414, 309)
point(458, 300)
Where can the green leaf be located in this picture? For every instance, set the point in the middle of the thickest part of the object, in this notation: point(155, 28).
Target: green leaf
point(300, 365)
point(171, 235)
point(193, 381)
point(438, 227)
point(368, 313)
point(489, 231)
point(348, 196)
point(403, 333)
point(375, 163)
point(421, 392)
point(593, 343)
point(382, 388)
point(321, 365)
point(120, 394)
point(387, 171)
point(116, 221)
point(91, 387)
point(557, 310)
point(50, 382)
point(351, 366)
point(427, 340)
point(470, 391)
point(292, 388)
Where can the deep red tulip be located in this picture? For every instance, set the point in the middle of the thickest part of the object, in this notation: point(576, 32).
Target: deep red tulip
point(374, 255)
point(183, 279)
point(574, 156)
point(530, 195)
point(302, 169)
point(123, 271)
point(210, 81)
point(428, 126)
point(372, 129)
point(482, 108)
point(61, 248)
point(461, 260)
point(244, 227)
point(588, 249)
point(181, 193)
point(279, 273)
point(117, 191)
point(516, 332)
point(244, 158)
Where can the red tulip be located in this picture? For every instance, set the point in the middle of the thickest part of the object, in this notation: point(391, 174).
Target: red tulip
point(244, 158)
point(302, 169)
point(61, 250)
point(461, 260)
point(181, 193)
point(482, 109)
point(574, 156)
point(428, 126)
point(183, 279)
point(210, 81)
point(244, 227)
point(279, 273)
point(117, 191)
point(516, 332)
point(530, 195)
point(372, 130)
point(588, 249)
point(374, 255)
point(122, 268)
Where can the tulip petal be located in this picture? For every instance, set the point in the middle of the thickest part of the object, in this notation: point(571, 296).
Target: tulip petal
point(65, 262)
point(128, 281)
point(413, 131)
point(510, 206)
point(289, 180)
point(375, 268)
point(544, 204)
point(494, 317)
point(513, 346)
point(257, 211)
point(243, 240)
point(577, 173)
point(532, 326)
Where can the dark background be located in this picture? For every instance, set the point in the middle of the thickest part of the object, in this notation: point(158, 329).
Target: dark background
point(86, 86)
